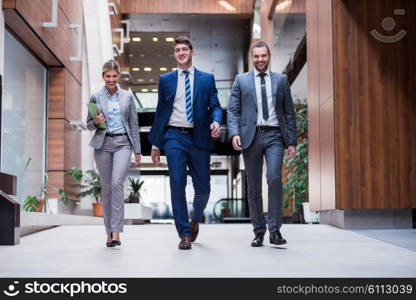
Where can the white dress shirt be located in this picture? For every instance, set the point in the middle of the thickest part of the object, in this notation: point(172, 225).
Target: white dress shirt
point(178, 117)
point(272, 120)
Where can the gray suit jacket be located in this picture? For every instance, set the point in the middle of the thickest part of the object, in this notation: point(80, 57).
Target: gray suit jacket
point(128, 117)
point(242, 108)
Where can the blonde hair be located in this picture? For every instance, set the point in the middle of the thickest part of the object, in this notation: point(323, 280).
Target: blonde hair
point(111, 64)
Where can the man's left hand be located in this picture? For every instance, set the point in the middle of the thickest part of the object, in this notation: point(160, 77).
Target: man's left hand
point(291, 151)
point(137, 159)
point(215, 130)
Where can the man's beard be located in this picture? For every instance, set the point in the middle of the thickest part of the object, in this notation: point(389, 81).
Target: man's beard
point(264, 68)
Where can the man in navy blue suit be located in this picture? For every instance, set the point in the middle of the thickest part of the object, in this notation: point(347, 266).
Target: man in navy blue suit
point(188, 116)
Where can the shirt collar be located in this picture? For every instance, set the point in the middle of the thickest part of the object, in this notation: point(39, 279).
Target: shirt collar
point(256, 72)
point(191, 71)
point(115, 94)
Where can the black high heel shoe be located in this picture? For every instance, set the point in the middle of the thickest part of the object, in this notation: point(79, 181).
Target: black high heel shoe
point(110, 244)
point(115, 242)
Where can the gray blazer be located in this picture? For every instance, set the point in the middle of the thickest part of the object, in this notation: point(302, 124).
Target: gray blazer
point(242, 108)
point(128, 117)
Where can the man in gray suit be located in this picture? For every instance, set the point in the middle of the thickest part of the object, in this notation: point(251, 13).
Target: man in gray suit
point(261, 122)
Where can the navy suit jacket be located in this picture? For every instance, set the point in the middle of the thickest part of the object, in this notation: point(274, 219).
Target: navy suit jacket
point(205, 108)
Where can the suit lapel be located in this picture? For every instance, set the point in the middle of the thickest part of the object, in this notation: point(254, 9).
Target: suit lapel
point(123, 103)
point(197, 74)
point(273, 80)
point(104, 101)
point(173, 85)
point(252, 86)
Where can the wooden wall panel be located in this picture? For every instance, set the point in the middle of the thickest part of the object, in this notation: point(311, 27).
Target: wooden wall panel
point(320, 105)
point(327, 154)
point(64, 95)
point(56, 144)
point(23, 32)
point(313, 105)
point(73, 95)
point(242, 7)
point(375, 106)
point(61, 40)
point(61, 179)
point(56, 93)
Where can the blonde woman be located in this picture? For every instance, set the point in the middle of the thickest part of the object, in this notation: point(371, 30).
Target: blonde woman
point(113, 146)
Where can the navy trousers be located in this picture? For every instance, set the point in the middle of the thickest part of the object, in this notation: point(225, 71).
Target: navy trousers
point(181, 154)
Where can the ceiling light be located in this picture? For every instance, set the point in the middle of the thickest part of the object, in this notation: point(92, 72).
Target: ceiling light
point(154, 90)
point(147, 69)
point(135, 69)
point(282, 6)
point(163, 69)
point(226, 5)
point(126, 79)
point(140, 80)
point(169, 39)
point(141, 55)
point(136, 39)
point(174, 69)
point(144, 90)
point(151, 80)
point(155, 39)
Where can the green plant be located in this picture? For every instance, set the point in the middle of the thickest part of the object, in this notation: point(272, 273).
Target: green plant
point(32, 202)
point(135, 186)
point(297, 187)
point(89, 183)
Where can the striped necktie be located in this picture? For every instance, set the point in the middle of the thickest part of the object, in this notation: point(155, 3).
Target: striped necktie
point(188, 97)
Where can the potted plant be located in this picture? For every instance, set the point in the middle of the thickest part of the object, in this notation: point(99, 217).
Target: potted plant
point(38, 202)
point(135, 186)
point(296, 190)
point(90, 186)
point(134, 211)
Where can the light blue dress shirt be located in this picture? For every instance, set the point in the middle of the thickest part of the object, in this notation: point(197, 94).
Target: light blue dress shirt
point(114, 122)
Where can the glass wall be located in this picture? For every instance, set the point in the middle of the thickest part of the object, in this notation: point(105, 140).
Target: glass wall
point(23, 128)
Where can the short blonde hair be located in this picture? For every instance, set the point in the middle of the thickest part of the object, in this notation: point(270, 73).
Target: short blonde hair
point(111, 64)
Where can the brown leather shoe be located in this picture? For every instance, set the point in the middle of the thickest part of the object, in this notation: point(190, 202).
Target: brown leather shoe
point(185, 243)
point(194, 230)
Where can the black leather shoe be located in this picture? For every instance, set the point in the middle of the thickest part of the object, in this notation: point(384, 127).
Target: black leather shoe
point(276, 238)
point(110, 244)
point(258, 240)
point(115, 243)
point(185, 243)
point(194, 230)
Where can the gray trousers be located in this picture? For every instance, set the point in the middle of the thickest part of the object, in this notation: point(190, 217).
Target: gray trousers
point(113, 161)
point(270, 145)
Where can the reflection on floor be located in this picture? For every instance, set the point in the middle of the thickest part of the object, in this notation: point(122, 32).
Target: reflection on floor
point(221, 250)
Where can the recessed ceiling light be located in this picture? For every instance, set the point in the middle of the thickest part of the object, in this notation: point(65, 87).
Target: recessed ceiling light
point(151, 80)
point(226, 5)
point(174, 69)
point(126, 79)
point(142, 55)
point(135, 69)
point(163, 69)
point(155, 39)
point(140, 80)
point(136, 39)
point(169, 39)
point(147, 69)
point(144, 90)
point(154, 90)
point(131, 55)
